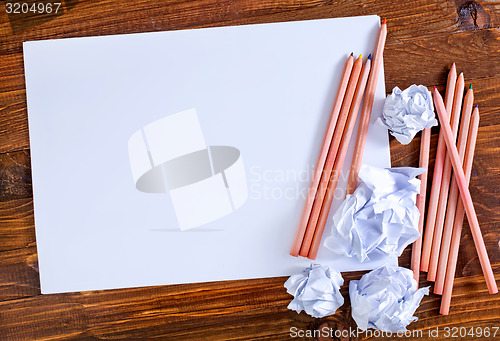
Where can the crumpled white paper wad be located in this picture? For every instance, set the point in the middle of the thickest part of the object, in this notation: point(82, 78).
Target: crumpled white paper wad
point(407, 112)
point(385, 299)
point(380, 217)
point(316, 290)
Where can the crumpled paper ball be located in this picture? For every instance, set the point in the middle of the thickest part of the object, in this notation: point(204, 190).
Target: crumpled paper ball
point(407, 112)
point(381, 215)
point(316, 290)
point(385, 299)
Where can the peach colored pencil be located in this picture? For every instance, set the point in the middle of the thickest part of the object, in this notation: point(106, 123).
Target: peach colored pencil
point(357, 157)
point(346, 138)
point(465, 194)
point(334, 146)
point(459, 218)
point(337, 104)
point(445, 182)
point(437, 176)
point(416, 249)
point(452, 201)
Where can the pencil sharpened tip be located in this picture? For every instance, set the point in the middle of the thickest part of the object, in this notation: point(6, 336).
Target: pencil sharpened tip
point(435, 88)
point(360, 56)
point(352, 54)
point(384, 22)
point(370, 56)
point(470, 87)
point(477, 107)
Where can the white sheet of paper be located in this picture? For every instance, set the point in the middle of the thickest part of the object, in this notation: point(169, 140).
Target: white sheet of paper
point(266, 90)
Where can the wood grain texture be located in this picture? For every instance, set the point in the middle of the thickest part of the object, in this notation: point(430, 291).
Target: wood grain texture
point(425, 37)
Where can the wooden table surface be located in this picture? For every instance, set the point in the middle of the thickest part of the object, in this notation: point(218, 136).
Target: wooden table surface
point(425, 37)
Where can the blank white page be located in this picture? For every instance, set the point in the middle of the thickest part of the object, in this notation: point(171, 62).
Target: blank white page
point(266, 90)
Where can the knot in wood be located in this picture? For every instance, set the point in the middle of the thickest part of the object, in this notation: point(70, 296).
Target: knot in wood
point(472, 16)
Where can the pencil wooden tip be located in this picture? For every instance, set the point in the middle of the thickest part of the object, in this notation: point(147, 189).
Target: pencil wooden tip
point(370, 56)
point(384, 22)
point(453, 69)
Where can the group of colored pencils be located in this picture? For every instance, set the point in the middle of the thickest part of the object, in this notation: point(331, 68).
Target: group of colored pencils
point(437, 253)
point(356, 80)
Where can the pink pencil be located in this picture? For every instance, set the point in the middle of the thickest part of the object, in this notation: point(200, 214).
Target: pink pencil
point(453, 199)
point(416, 250)
point(459, 219)
point(465, 194)
point(346, 138)
point(366, 110)
point(322, 157)
point(330, 159)
point(445, 181)
point(437, 176)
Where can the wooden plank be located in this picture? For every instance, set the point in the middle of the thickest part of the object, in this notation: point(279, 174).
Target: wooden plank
point(12, 75)
point(15, 176)
point(147, 312)
point(19, 274)
point(471, 51)
point(229, 310)
point(412, 19)
point(408, 21)
point(13, 121)
point(17, 229)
